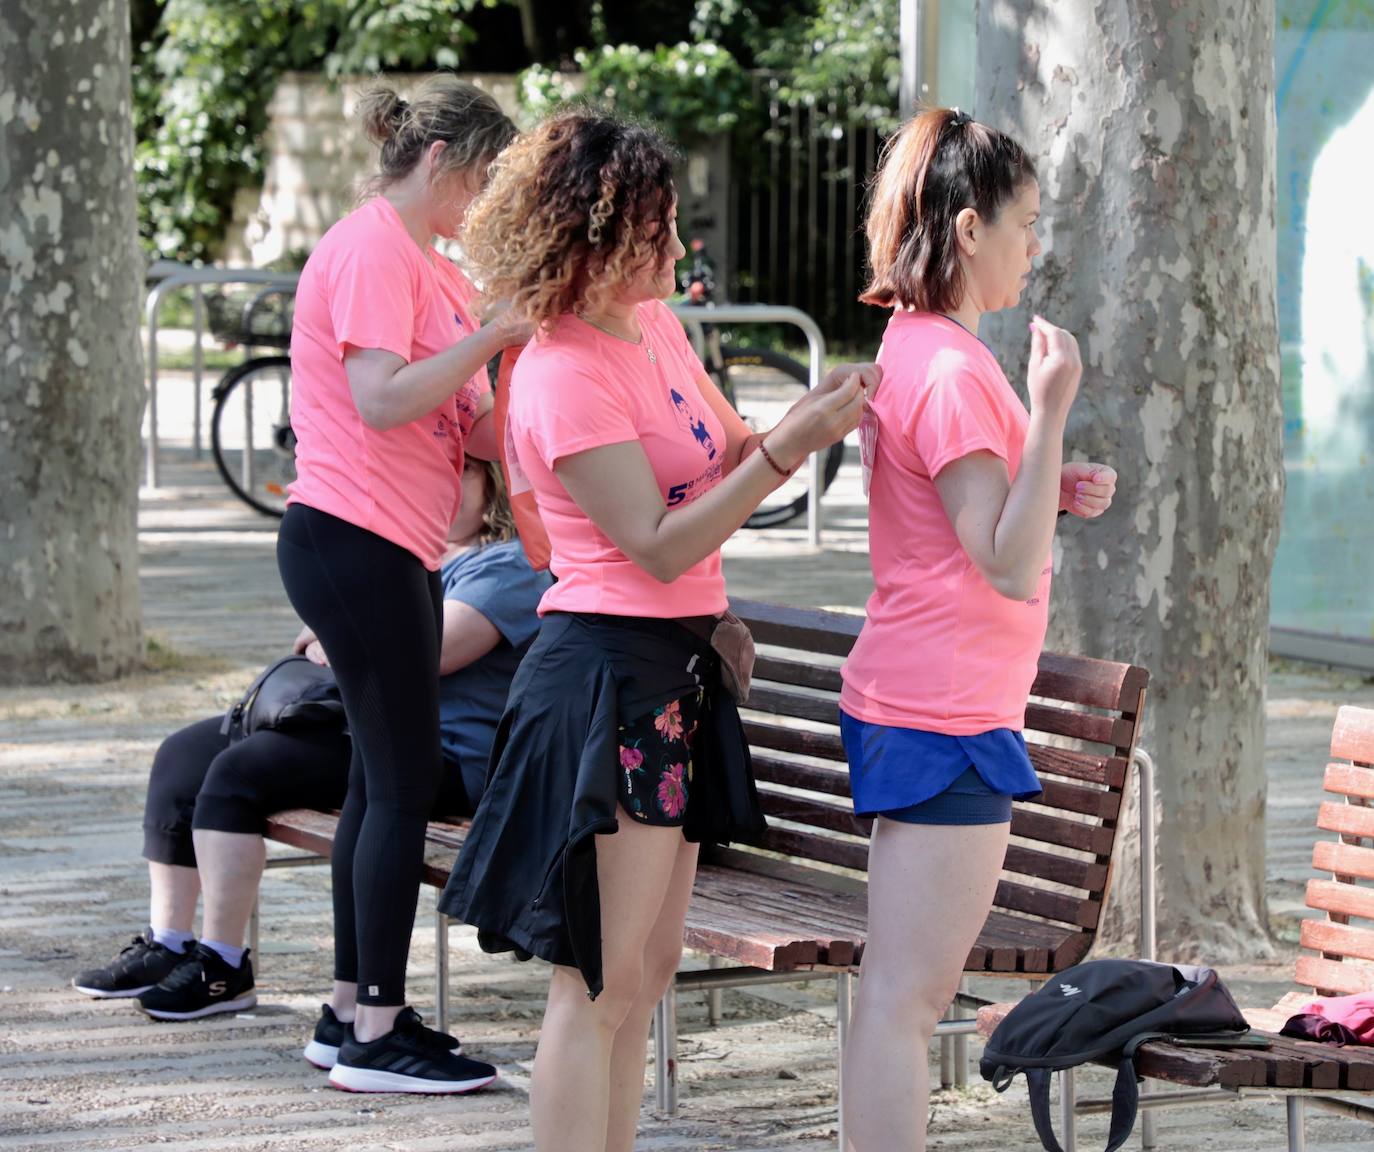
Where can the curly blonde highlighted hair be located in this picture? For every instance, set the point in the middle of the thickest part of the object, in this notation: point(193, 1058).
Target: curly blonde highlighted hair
point(574, 210)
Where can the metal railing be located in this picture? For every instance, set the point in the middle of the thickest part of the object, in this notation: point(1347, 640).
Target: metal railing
point(695, 316)
point(195, 278)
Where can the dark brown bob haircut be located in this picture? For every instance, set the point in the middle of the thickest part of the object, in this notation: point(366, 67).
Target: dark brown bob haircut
point(935, 166)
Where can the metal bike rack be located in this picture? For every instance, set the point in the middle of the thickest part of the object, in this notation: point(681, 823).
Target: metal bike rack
point(197, 278)
point(696, 315)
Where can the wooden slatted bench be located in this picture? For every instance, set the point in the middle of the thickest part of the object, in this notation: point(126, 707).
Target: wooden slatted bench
point(793, 905)
point(1337, 959)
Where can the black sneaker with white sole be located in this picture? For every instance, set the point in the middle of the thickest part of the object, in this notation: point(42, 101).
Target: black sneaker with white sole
point(323, 1049)
point(409, 1058)
point(203, 984)
point(139, 967)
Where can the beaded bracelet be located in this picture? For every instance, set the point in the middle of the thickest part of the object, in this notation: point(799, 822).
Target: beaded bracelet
point(773, 463)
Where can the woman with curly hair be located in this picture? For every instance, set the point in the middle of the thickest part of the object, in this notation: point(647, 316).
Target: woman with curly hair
point(388, 387)
point(620, 751)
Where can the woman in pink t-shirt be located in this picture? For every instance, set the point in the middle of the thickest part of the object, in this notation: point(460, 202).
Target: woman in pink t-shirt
point(388, 385)
point(965, 486)
point(619, 750)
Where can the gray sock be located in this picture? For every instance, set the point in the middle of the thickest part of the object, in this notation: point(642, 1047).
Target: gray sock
point(228, 953)
point(173, 940)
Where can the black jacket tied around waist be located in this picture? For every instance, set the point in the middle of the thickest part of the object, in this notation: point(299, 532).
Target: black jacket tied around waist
point(526, 876)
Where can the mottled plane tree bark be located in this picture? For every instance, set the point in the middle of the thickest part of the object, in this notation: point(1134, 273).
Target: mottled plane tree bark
point(1152, 125)
point(71, 367)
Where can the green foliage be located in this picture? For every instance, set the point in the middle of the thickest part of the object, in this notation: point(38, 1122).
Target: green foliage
point(689, 90)
point(205, 71)
point(844, 53)
point(412, 34)
point(204, 76)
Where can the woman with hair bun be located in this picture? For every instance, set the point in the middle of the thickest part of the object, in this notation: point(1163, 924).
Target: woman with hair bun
point(620, 750)
point(388, 387)
point(965, 487)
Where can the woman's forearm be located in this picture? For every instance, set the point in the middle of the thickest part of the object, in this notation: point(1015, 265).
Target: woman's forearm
point(416, 389)
point(1025, 529)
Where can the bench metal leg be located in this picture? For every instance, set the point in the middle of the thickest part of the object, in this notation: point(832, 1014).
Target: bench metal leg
point(665, 1053)
point(959, 1012)
point(1145, 774)
point(441, 970)
point(844, 1004)
point(713, 996)
point(253, 932)
point(1068, 1112)
point(1297, 1134)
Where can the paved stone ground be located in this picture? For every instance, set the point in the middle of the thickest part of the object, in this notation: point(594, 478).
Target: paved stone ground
point(77, 1074)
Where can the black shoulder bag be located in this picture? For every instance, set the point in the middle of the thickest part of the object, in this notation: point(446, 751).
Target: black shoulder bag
point(292, 695)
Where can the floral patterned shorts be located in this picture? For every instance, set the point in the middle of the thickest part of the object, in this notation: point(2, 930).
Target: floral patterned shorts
point(656, 762)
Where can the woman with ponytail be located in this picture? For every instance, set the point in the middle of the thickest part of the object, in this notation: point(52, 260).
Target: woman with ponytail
point(965, 489)
point(389, 387)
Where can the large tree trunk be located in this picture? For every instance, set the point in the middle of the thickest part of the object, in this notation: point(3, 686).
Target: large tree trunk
point(71, 365)
point(1152, 126)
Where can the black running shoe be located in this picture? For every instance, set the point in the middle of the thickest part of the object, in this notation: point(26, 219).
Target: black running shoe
point(203, 984)
point(409, 1058)
point(137, 968)
point(323, 1049)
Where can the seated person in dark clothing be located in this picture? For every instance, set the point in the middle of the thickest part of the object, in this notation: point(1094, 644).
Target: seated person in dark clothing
point(208, 797)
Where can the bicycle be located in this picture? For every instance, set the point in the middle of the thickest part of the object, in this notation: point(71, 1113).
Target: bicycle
point(252, 401)
point(760, 384)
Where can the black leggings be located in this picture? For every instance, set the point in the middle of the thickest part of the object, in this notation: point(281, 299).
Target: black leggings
point(200, 780)
point(377, 612)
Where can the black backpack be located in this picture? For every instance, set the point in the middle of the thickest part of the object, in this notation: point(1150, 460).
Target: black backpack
point(1102, 1010)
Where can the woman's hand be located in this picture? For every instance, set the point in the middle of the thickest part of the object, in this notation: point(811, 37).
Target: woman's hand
point(1086, 489)
point(827, 413)
point(1055, 368)
point(503, 326)
point(308, 645)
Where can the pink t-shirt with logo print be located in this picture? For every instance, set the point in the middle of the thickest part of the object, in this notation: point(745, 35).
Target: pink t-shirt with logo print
point(941, 649)
point(369, 285)
point(576, 388)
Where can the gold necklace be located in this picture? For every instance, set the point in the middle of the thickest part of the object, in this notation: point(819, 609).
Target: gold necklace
point(601, 328)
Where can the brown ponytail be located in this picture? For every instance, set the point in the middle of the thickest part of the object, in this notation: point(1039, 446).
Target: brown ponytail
point(936, 165)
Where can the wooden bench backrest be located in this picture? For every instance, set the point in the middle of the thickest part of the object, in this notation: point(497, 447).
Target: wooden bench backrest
point(1081, 725)
point(1343, 943)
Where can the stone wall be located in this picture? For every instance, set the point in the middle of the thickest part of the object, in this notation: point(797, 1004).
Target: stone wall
point(318, 159)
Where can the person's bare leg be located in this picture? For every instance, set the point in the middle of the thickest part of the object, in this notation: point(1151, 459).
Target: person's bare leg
point(172, 892)
point(929, 890)
point(661, 958)
point(231, 865)
point(344, 1000)
point(571, 1085)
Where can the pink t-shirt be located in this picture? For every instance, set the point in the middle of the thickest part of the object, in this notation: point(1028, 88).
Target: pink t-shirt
point(578, 388)
point(368, 285)
point(941, 649)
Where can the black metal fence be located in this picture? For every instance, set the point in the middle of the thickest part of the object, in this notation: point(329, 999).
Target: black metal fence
point(796, 213)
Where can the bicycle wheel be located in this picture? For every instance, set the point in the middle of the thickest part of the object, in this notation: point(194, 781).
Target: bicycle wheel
point(761, 386)
point(250, 432)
